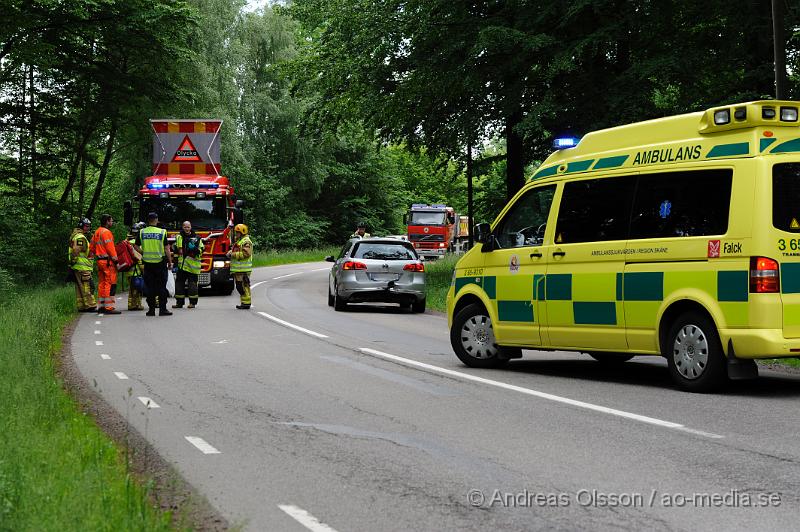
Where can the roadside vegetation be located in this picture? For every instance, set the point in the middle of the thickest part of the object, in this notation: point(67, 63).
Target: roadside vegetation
point(438, 274)
point(274, 257)
point(58, 470)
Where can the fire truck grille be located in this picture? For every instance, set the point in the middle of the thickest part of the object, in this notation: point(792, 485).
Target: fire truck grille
point(416, 237)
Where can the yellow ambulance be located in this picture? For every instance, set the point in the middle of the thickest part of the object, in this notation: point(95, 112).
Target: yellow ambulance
point(677, 237)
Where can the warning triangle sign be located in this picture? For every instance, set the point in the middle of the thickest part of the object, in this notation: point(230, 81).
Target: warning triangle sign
point(794, 224)
point(186, 153)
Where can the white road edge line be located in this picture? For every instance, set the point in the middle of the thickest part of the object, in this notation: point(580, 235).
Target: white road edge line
point(541, 395)
point(149, 403)
point(105, 356)
point(202, 444)
point(121, 376)
point(305, 518)
point(256, 284)
point(292, 325)
point(321, 270)
point(287, 275)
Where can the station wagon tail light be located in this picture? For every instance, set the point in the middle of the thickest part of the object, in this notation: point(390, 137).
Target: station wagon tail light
point(354, 265)
point(414, 267)
point(764, 276)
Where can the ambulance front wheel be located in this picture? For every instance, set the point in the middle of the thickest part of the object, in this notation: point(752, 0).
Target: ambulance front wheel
point(472, 338)
point(694, 353)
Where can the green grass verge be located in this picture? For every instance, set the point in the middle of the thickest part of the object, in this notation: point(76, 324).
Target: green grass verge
point(58, 471)
point(292, 256)
point(438, 275)
point(793, 362)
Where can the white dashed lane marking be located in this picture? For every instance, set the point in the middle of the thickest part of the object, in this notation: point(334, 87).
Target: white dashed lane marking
point(292, 326)
point(105, 356)
point(98, 342)
point(121, 376)
point(305, 518)
point(149, 403)
point(202, 444)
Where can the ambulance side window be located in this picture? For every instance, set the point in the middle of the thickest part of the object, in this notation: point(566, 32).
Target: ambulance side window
point(526, 220)
point(595, 210)
point(680, 204)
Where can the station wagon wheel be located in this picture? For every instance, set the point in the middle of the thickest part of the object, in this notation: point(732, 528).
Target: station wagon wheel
point(694, 353)
point(338, 302)
point(331, 300)
point(472, 338)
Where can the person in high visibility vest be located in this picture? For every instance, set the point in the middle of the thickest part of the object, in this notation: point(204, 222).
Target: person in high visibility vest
point(105, 254)
point(241, 256)
point(361, 231)
point(134, 286)
point(157, 259)
point(189, 248)
point(81, 266)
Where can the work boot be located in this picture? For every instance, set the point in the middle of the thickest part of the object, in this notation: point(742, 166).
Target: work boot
point(178, 305)
point(191, 305)
point(111, 311)
point(164, 312)
point(92, 309)
point(151, 312)
point(243, 307)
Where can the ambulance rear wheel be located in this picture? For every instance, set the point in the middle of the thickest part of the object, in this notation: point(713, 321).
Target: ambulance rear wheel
point(472, 338)
point(694, 353)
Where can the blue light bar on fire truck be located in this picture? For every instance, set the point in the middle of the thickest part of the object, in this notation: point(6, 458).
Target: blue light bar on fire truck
point(181, 186)
point(562, 143)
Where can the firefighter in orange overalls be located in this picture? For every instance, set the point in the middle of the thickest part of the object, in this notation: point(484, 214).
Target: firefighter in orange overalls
point(105, 253)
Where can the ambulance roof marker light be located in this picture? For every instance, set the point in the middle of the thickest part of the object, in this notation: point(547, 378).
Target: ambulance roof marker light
point(562, 143)
point(722, 117)
point(789, 114)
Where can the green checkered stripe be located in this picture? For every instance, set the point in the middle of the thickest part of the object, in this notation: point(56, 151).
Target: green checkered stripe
point(596, 298)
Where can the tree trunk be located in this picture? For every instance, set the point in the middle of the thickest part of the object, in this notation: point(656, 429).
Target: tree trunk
point(82, 188)
point(76, 162)
point(112, 134)
point(34, 169)
point(515, 163)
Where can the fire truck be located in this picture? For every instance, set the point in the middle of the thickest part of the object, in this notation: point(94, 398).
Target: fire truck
point(431, 229)
point(186, 184)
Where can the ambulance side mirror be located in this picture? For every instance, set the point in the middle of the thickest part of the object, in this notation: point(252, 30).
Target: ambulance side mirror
point(128, 213)
point(483, 234)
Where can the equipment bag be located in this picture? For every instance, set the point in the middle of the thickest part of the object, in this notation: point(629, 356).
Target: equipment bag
point(125, 259)
point(170, 283)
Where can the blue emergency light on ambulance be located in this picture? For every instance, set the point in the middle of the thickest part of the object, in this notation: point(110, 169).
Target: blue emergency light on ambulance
point(561, 143)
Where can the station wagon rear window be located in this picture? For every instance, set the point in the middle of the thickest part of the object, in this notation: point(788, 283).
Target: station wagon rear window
point(786, 197)
point(383, 251)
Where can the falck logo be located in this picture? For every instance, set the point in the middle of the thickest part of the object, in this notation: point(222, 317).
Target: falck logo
point(713, 249)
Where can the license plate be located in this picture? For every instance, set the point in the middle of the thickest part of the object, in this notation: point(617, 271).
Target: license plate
point(204, 278)
point(384, 276)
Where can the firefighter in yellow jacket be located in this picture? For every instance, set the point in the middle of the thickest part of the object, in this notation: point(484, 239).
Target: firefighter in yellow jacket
point(241, 256)
point(81, 266)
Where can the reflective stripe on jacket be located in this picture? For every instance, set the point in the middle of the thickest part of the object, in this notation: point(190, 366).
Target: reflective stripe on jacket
point(79, 261)
point(187, 263)
point(102, 244)
point(153, 241)
point(242, 256)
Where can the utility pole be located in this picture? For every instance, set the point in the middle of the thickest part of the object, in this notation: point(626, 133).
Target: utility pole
point(469, 193)
point(779, 45)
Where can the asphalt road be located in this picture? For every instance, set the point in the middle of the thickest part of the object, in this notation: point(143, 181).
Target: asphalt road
point(365, 420)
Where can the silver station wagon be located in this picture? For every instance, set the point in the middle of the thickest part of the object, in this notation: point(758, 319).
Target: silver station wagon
point(384, 270)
